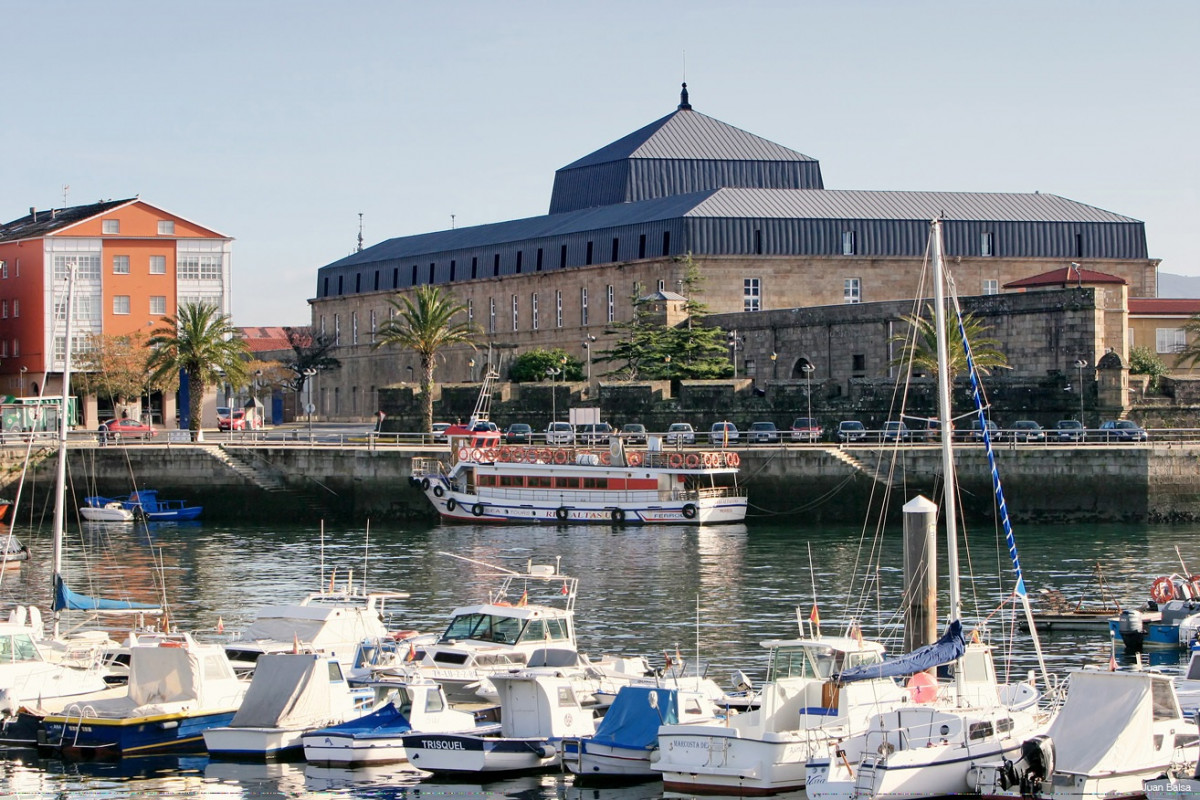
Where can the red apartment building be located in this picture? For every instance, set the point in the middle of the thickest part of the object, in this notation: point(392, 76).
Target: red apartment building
point(134, 264)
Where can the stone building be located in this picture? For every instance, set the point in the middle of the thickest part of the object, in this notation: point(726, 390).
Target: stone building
point(755, 217)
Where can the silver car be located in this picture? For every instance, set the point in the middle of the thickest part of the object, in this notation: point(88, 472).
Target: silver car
point(681, 433)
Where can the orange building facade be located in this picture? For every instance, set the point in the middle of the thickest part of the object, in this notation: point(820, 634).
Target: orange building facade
point(134, 264)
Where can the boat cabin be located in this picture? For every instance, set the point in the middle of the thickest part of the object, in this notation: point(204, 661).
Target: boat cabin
point(819, 659)
point(506, 629)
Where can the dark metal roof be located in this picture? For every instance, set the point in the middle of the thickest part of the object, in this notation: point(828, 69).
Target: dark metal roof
point(49, 220)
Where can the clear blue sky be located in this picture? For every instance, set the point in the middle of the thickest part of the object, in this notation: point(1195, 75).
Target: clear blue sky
point(278, 122)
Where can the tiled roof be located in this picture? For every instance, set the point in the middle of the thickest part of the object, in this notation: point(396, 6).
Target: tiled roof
point(1158, 305)
point(264, 339)
point(1067, 276)
point(47, 220)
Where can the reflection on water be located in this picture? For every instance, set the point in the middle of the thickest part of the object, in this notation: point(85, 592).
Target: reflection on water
point(715, 592)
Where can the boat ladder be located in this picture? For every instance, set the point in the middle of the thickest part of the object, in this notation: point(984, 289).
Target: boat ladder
point(73, 709)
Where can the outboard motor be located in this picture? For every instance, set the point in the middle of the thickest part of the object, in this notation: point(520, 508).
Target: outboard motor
point(1133, 632)
point(1038, 755)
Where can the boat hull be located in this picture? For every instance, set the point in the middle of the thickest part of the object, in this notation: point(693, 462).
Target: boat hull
point(344, 750)
point(724, 762)
point(92, 737)
point(462, 507)
point(254, 743)
point(591, 761)
point(457, 754)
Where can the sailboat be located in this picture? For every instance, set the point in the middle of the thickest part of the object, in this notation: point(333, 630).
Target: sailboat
point(929, 748)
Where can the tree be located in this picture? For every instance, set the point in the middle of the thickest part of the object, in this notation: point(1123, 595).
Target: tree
point(531, 367)
point(919, 352)
point(202, 344)
point(312, 352)
point(1189, 354)
point(114, 367)
point(1144, 361)
point(425, 327)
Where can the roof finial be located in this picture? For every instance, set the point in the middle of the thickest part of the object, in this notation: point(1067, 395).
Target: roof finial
point(360, 239)
point(684, 105)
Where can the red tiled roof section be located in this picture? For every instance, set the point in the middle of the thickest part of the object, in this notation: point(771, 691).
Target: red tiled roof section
point(1066, 276)
point(265, 339)
point(1164, 305)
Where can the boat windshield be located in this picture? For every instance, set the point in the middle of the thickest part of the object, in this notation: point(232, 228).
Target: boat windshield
point(792, 662)
point(816, 661)
point(17, 648)
point(484, 628)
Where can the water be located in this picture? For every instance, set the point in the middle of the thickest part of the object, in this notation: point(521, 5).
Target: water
point(641, 592)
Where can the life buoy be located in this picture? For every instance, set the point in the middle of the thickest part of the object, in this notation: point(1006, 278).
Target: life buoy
point(605, 458)
point(734, 459)
point(451, 504)
point(505, 453)
point(560, 456)
point(490, 454)
point(634, 459)
point(545, 455)
point(676, 460)
point(1162, 590)
point(618, 515)
point(169, 643)
point(692, 461)
point(425, 484)
point(438, 491)
point(689, 511)
point(477, 509)
point(531, 455)
point(561, 513)
point(463, 453)
point(476, 455)
point(400, 636)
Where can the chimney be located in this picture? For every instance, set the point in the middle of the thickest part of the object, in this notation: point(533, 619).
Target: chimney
point(33, 212)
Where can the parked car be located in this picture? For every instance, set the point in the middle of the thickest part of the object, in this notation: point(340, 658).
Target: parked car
point(518, 433)
point(895, 432)
point(223, 411)
point(850, 430)
point(762, 433)
point(634, 432)
point(1070, 430)
point(1122, 430)
point(681, 433)
point(439, 431)
point(485, 427)
point(125, 429)
point(1026, 430)
point(929, 430)
point(806, 429)
point(975, 432)
point(560, 433)
point(237, 421)
point(593, 434)
point(723, 434)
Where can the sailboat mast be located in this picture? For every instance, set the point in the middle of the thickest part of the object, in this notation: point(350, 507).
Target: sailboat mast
point(949, 502)
point(60, 480)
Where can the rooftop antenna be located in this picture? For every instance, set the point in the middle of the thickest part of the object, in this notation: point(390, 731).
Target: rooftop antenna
point(359, 250)
point(66, 190)
point(451, 222)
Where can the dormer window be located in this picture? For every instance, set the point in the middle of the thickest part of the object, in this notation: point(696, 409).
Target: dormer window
point(987, 244)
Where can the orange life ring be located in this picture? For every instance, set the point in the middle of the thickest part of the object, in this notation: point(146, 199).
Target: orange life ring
point(476, 454)
point(531, 455)
point(560, 456)
point(490, 454)
point(505, 453)
point(605, 459)
point(633, 459)
point(692, 461)
point(676, 460)
point(734, 459)
point(1162, 590)
point(463, 453)
point(169, 643)
point(400, 636)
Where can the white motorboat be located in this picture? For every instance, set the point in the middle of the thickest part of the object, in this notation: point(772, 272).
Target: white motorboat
point(109, 512)
point(487, 482)
point(1115, 731)
point(291, 694)
point(538, 709)
point(801, 707)
point(417, 706)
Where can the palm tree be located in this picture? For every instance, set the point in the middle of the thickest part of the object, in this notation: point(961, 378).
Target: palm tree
point(200, 343)
point(425, 327)
point(920, 346)
point(1189, 354)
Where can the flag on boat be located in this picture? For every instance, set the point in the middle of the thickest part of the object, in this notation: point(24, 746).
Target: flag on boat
point(856, 633)
point(667, 660)
point(220, 624)
point(412, 652)
point(295, 643)
point(814, 616)
point(524, 598)
point(565, 590)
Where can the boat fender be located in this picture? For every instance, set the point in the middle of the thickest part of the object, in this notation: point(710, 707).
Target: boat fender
point(1162, 590)
point(425, 484)
point(451, 504)
point(414, 481)
point(561, 513)
point(477, 509)
point(618, 515)
point(438, 491)
point(545, 750)
point(689, 511)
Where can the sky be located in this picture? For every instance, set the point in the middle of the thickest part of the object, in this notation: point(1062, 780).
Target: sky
point(279, 123)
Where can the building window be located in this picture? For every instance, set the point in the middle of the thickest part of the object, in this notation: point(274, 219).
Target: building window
point(3, 309)
point(852, 290)
point(848, 243)
point(666, 251)
point(357, 282)
point(372, 320)
point(342, 281)
point(987, 244)
point(662, 285)
point(858, 363)
point(758, 241)
point(470, 312)
point(158, 305)
point(610, 303)
point(110, 226)
point(194, 266)
point(16, 307)
point(158, 265)
point(395, 277)
point(86, 267)
point(589, 254)
point(533, 305)
point(432, 271)
point(166, 227)
point(520, 260)
point(615, 249)
point(377, 275)
point(337, 330)
point(539, 260)
point(558, 309)
point(412, 282)
point(642, 246)
point(496, 266)
point(751, 296)
point(121, 304)
point(120, 265)
point(991, 286)
point(1170, 340)
point(491, 315)
point(1129, 335)
point(515, 319)
point(583, 309)
point(4, 270)
point(562, 257)
point(353, 327)
point(17, 349)
point(474, 267)
point(325, 289)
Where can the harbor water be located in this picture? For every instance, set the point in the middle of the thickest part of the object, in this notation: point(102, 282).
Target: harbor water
point(708, 595)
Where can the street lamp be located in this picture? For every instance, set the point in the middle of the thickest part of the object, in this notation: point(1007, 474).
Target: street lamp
point(551, 373)
point(587, 346)
point(471, 364)
point(21, 382)
point(734, 341)
point(1079, 365)
point(808, 369)
point(309, 374)
point(774, 363)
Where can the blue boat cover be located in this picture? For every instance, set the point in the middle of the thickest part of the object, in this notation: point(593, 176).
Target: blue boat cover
point(66, 600)
point(632, 722)
point(386, 720)
point(943, 651)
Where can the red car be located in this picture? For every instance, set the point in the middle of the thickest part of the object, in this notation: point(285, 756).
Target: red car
point(129, 428)
point(236, 421)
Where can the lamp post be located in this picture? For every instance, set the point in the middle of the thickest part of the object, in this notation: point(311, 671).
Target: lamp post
point(734, 341)
point(21, 381)
point(471, 364)
point(774, 365)
point(309, 374)
point(1079, 365)
point(587, 346)
point(551, 373)
point(808, 369)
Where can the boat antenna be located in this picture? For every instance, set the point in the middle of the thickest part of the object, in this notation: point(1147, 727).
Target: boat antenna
point(697, 634)
point(366, 555)
point(476, 561)
point(812, 576)
point(322, 583)
point(60, 482)
point(1179, 555)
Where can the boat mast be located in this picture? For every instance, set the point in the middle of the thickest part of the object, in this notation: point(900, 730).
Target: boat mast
point(60, 481)
point(949, 501)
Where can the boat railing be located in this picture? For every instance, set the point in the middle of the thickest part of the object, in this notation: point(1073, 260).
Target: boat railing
point(422, 466)
point(592, 456)
point(613, 496)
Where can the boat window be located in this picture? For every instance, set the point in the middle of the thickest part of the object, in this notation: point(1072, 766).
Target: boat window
point(512, 480)
point(17, 648)
point(434, 702)
point(335, 672)
point(216, 667)
point(979, 730)
point(1004, 725)
point(535, 631)
point(464, 626)
point(863, 658)
point(1165, 704)
point(595, 483)
point(556, 630)
point(506, 629)
point(791, 662)
point(542, 481)
point(566, 483)
point(566, 697)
